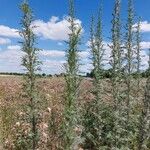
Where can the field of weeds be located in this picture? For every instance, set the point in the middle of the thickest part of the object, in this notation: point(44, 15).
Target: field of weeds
point(12, 102)
point(107, 109)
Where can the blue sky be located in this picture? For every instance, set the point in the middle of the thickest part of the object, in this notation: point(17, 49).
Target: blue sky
point(50, 16)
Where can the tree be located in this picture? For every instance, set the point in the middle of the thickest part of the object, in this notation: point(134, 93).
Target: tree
point(31, 64)
point(70, 123)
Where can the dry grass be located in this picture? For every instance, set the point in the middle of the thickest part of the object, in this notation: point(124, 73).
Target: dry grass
point(12, 101)
point(51, 89)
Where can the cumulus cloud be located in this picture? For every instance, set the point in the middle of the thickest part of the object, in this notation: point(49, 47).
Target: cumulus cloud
point(4, 41)
point(145, 45)
point(144, 60)
point(145, 26)
point(13, 47)
point(8, 32)
point(54, 29)
point(144, 57)
point(61, 54)
point(10, 58)
point(84, 54)
point(11, 53)
point(53, 60)
point(53, 66)
point(52, 53)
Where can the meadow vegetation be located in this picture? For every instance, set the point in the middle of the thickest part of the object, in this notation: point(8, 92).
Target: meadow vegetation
point(105, 111)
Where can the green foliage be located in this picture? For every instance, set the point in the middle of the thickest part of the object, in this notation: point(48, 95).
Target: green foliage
point(104, 73)
point(129, 55)
point(117, 118)
point(118, 131)
point(138, 51)
point(116, 57)
point(143, 137)
point(70, 123)
point(97, 125)
point(117, 125)
point(31, 64)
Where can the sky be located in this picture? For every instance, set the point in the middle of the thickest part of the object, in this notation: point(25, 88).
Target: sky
point(51, 18)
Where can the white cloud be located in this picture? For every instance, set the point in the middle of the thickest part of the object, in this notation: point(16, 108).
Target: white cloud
point(144, 60)
point(10, 59)
point(53, 60)
point(14, 47)
point(145, 45)
point(52, 53)
point(11, 53)
point(54, 29)
point(53, 66)
point(61, 54)
point(145, 26)
point(8, 32)
point(85, 68)
point(4, 41)
point(84, 54)
point(144, 57)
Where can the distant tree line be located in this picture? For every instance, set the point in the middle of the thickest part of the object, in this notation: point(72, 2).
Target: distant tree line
point(37, 74)
point(107, 73)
